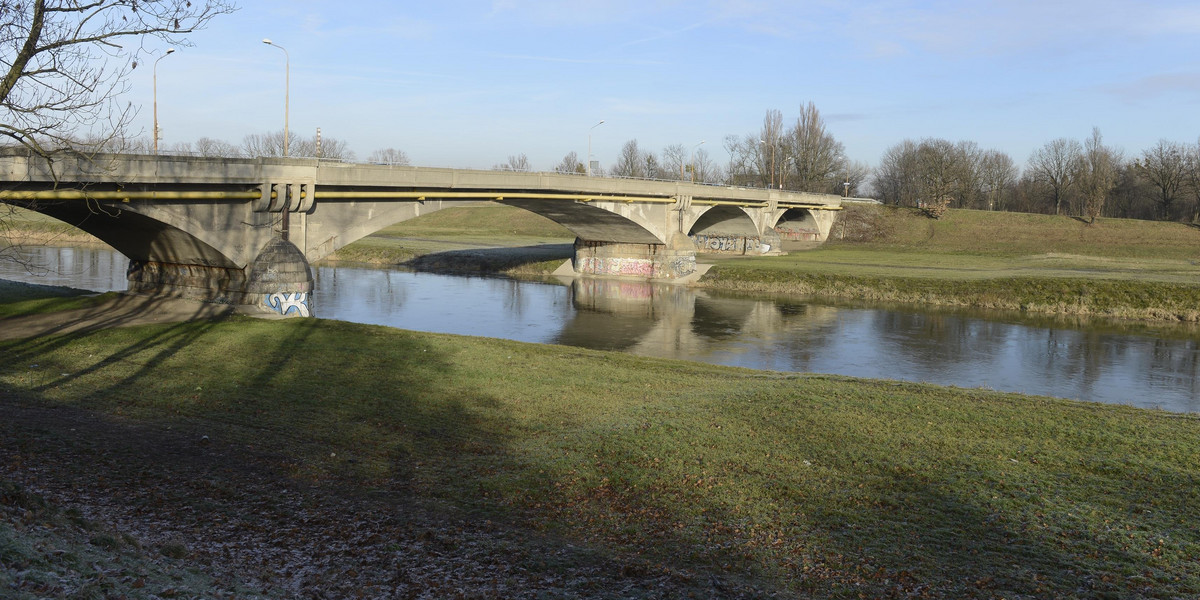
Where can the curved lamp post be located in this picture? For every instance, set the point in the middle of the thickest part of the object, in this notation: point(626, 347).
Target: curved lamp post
point(169, 51)
point(589, 156)
point(287, 84)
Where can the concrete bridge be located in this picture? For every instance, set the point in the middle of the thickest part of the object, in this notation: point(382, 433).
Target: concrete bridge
point(243, 231)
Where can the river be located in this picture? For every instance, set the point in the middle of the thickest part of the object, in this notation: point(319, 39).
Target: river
point(1145, 366)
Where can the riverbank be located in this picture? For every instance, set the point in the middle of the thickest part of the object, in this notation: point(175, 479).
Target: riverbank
point(276, 458)
point(1040, 264)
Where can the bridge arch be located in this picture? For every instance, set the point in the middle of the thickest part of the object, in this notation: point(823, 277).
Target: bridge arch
point(800, 225)
point(588, 221)
point(726, 230)
point(139, 234)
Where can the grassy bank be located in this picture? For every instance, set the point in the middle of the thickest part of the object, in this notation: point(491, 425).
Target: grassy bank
point(1034, 263)
point(21, 299)
point(288, 456)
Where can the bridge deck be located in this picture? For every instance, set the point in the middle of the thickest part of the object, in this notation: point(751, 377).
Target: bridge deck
point(122, 177)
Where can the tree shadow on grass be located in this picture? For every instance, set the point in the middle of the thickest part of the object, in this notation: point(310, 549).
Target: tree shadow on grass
point(320, 457)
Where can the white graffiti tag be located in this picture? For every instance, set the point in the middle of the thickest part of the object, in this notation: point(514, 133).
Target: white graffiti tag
point(285, 303)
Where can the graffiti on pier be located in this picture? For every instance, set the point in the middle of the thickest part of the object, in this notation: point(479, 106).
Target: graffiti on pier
point(726, 244)
point(806, 235)
point(617, 266)
point(286, 303)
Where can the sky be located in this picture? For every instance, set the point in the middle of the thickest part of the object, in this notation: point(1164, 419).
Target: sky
point(466, 84)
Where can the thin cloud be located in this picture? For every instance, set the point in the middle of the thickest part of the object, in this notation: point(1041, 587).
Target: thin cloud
point(580, 61)
point(662, 35)
point(1155, 86)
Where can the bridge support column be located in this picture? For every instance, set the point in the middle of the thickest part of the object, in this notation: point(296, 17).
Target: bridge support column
point(279, 281)
point(648, 261)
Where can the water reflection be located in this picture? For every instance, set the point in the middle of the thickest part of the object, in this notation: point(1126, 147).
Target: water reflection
point(100, 269)
point(1156, 367)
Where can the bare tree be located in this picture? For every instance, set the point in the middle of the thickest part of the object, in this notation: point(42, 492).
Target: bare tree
point(65, 62)
point(997, 173)
point(933, 174)
point(855, 173)
point(389, 156)
point(630, 161)
point(207, 146)
point(653, 169)
point(939, 172)
point(968, 158)
point(570, 165)
point(675, 162)
point(815, 158)
point(268, 144)
point(517, 162)
point(770, 137)
point(1164, 166)
point(737, 170)
point(1132, 196)
point(1056, 165)
point(1193, 178)
point(1097, 174)
point(703, 169)
point(896, 178)
point(332, 148)
point(271, 144)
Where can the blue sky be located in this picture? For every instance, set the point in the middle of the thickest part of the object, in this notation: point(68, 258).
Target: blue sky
point(468, 83)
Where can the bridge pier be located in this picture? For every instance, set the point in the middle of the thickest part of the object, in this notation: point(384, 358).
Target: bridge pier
point(279, 281)
point(648, 261)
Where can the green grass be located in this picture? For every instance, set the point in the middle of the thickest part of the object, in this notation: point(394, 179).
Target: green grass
point(1008, 234)
point(27, 298)
point(812, 485)
point(1034, 263)
point(26, 226)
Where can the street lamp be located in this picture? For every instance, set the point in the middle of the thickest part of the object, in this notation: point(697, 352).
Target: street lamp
point(169, 50)
point(589, 145)
point(692, 160)
point(772, 178)
point(589, 156)
point(287, 84)
point(846, 176)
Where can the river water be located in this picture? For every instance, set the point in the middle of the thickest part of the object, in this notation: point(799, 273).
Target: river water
point(1150, 367)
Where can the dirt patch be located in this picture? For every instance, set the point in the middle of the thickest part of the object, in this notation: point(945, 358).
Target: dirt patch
point(182, 490)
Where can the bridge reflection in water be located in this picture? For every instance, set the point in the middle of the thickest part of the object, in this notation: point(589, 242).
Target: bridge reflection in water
point(1122, 364)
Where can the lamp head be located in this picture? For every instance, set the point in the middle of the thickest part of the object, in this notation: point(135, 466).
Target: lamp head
point(169, 50)
point(267, 41)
